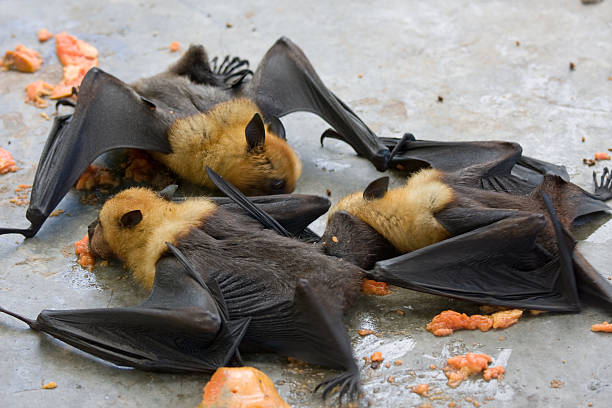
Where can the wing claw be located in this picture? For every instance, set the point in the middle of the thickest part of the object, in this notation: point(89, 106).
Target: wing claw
point(332, 134)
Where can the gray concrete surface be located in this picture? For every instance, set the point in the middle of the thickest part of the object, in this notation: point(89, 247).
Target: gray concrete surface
point(503, 70)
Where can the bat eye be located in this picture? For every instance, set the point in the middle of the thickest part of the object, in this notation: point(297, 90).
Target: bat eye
point(277, 184)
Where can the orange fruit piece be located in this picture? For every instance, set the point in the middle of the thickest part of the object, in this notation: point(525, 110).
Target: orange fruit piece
point(372, 287)
point(23, 59)
point(241, 387)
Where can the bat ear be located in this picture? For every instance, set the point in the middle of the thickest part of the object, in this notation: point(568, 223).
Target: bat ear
point(131, 219)
point(255, 132)
point(376, 189)
point(276, 127)
point(168, 192)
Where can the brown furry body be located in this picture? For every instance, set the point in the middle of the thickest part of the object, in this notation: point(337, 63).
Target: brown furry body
point(256, 269)
point(408, 208)
point(411, 217)
point(217, 139)
point(210, 131)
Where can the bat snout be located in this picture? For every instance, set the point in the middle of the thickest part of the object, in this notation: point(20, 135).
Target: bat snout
point(91, 228)
point(98, 246)
point(351, 239)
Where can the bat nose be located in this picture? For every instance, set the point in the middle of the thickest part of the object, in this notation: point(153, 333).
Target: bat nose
point(91, 228)
point(98, 246)
point(278, 186)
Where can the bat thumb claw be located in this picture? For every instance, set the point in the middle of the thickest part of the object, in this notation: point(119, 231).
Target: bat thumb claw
point(332, 134)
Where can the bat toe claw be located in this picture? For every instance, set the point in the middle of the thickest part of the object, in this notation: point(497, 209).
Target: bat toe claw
point(603, 188)
point(232, 71)
point(348, 383)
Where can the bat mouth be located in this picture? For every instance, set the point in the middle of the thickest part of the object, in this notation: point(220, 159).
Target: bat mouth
point(98, 247)
point(348, 238)
point(90, 230)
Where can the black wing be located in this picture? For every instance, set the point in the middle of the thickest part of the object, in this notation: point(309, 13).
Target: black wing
point(243, 202)
point(499, 264)
point(479, 159)
point(286, 82)
point(531, 167)
point(108, 115)
point(569, 199)
point(287, 215)
point(308, 326)
point(293, 211)
point(591, 284)
point(320, 337)
point(482, 159)
point(180, 327)
point(494, 166)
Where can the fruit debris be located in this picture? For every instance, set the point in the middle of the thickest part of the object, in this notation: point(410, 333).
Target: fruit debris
point(22, 59)
point(7, 163)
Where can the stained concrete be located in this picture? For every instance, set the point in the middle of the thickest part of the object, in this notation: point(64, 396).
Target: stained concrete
point(502, 69)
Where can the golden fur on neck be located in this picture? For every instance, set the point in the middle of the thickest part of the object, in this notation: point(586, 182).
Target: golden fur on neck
point(405, 215)
point(163, 221)
point(217, 139)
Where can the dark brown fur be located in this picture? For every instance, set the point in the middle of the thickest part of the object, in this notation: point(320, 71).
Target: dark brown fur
point(561, 193)
point(257, 271)
point(358, 244)
point(361, 245)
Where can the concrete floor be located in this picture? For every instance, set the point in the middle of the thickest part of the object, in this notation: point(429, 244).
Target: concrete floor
point(503, 71)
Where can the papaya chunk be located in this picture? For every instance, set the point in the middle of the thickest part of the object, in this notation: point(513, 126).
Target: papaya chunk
point(241, 387)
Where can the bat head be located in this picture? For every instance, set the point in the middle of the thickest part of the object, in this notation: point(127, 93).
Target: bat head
point(353, 240)
point(404, 216)
point(268, 164)
point(136, 224)
point(237, 145)
point(233, 140)
point(123, 223)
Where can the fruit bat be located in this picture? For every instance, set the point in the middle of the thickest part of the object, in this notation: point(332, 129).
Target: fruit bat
point(491, 165)
point(230, 286)
point(193, 115)
point(475, 232)
point(438, 234)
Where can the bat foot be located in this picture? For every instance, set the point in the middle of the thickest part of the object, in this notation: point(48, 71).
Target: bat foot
point(232, 71)
point(603, 189)
point(348, 383)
